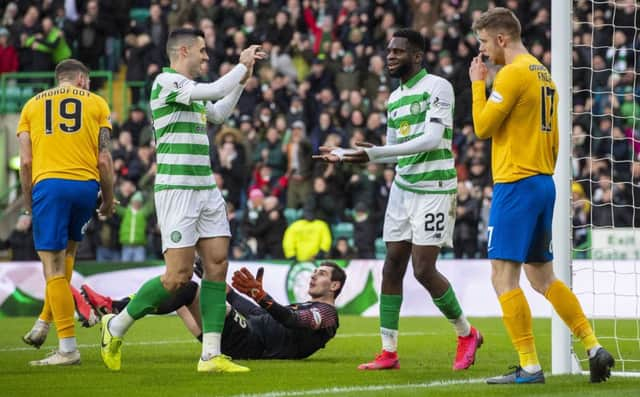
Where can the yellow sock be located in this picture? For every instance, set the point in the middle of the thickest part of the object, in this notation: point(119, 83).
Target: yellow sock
point(516, 316)
point(569, 309)
point(62, 307)
point(45, 314)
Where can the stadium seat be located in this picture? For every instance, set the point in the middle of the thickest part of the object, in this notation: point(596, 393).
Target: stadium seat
point(342, 229)
point(12, 98)
point(292, 215)
point(139, 14)
point(381, 249)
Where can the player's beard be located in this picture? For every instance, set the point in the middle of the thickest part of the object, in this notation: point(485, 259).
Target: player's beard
point(400, 71)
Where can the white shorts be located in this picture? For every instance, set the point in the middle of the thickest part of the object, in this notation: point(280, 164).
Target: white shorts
point(422, 219)
point(185, 216)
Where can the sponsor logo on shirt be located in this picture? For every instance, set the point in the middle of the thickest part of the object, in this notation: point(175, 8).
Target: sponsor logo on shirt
point(404, 128)
point(495, 97)
point(441, 104)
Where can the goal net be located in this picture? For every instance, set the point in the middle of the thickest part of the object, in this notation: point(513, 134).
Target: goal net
point(605, 166)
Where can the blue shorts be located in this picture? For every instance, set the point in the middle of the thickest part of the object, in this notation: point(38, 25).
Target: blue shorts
point(520, 221)
point(61, 208)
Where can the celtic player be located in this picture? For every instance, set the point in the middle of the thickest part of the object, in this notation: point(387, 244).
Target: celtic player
point(191, 211)
point(421, 211)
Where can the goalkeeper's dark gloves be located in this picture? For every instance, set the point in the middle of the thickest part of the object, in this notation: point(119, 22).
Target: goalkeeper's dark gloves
point(244, 282)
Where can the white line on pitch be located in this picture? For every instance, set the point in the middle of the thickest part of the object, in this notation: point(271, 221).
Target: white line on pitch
point(179, 341)
point(360, 389)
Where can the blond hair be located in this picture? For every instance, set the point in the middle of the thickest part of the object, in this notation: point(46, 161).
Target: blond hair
point(499, 20)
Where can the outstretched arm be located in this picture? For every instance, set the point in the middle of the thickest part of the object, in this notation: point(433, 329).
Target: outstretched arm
point(312, 318)
point(429, 140)
point(220, 88)
point(219, 111)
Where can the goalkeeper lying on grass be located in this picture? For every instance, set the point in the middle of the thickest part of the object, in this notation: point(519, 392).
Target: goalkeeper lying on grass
point(268, 330)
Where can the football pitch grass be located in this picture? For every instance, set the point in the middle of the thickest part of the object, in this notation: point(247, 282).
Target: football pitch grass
point(160, 357)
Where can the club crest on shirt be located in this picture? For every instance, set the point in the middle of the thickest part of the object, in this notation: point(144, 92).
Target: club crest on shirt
point(404, 128)
point(176, 236)
point(415, 107)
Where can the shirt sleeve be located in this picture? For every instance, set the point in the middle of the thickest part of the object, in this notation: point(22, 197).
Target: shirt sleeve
point(104, 114)
point(441, 103)
point(488, 114)
point(314, 317)
point(24, 125)
point(219, 111)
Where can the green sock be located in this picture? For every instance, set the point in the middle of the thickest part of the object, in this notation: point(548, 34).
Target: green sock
point(390, 310)
point(148, 298)
point(448, 305)
point(212, 305)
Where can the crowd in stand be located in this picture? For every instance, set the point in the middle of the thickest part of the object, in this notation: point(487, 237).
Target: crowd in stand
point(325, 83)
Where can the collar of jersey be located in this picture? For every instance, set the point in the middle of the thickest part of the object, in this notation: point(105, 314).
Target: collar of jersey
point(414, 80)
point(169, 70)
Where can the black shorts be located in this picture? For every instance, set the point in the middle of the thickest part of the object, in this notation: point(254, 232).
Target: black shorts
point(240, 338)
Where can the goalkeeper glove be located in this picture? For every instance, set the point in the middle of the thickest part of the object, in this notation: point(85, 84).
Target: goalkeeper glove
point(244, 282)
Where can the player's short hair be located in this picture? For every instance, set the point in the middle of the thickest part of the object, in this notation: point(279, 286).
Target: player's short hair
point(337, 274)
point(499, 19)
point(415, 39)
point(69, 69)
point(182, 36)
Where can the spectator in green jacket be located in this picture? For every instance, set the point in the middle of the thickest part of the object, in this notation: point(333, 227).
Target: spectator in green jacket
point(133, 228)
point(55, 41)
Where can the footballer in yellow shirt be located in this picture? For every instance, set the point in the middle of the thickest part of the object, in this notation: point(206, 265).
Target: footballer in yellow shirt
point(521, 119)
point(64, 135)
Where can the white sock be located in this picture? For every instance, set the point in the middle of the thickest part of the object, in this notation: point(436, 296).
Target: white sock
point(389, 339)
point(462, 326)
point(593, 351)
point(68, 345)
point(119, 325)
point(532, 369)
point(210, 345)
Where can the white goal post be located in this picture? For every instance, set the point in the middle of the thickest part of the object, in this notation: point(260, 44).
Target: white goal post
point(561, 63)
point(607, 278)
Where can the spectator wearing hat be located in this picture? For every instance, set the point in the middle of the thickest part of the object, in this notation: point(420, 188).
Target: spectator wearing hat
point(133, 228)
point(8, 53)
point(253, 211)
point(136, 122)
point(300, 166)
point(307, 238)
